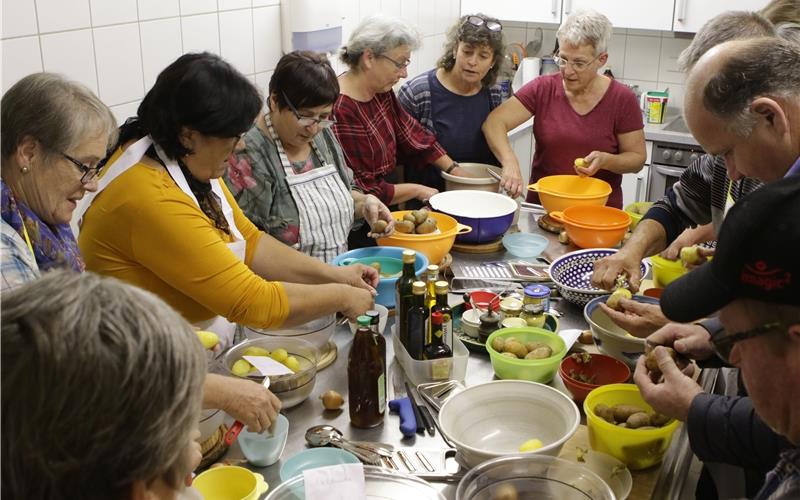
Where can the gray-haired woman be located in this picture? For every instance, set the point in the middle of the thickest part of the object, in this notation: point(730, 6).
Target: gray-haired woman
point(580, 114)
point(101, 391)
point(55, 134)
point(454, 99)
point(375, 132)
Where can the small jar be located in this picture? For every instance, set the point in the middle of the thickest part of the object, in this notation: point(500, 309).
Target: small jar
point(533, 314)
point(537, 294)
point(511, 307)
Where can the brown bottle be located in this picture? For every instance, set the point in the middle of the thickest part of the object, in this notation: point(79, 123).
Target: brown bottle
point(403, 296)
point(447, 314)
point(366, 376)
point(436, 351)
point(417, 322)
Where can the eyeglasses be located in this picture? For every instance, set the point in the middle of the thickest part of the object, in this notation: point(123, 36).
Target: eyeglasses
point(88, 172)
point(307, 121)
point(397, 65)
point(723, 344)
point(578, 66)
point(479, 21)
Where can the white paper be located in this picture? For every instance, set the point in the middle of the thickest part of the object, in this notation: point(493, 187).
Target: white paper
point(268, 366)
point(569, 336)
point(336, 482)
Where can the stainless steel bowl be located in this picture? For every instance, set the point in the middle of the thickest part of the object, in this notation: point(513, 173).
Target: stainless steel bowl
point(317, 331)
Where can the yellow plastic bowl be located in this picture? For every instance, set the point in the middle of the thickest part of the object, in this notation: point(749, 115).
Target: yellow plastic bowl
point(434, 245)
point(559, 192)
point(230, 482)
point(637, 210)
point(666, 271)
point(636, 448)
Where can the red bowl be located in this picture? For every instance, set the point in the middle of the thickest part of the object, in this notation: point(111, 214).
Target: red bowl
point(483, 298)
point(605, 370)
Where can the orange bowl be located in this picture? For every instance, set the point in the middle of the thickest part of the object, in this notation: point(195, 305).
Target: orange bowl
point(559, 192)
point(594, 227)
point(434, 245)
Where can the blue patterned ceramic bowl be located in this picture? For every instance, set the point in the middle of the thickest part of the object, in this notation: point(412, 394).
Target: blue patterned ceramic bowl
point(572, 274)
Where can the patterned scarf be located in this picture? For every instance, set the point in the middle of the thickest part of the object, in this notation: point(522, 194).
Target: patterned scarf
point(53, 246)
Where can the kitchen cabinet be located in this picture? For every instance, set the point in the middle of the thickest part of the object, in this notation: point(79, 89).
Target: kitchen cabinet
point(639, 14)
point(690, 15)
point(530, 11)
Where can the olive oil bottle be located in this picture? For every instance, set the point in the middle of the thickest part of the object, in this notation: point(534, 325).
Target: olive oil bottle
point(432, 273)
point(366, 376)
point(436, 350)
point(403, 295)
point(417, 322)
point(443, 307)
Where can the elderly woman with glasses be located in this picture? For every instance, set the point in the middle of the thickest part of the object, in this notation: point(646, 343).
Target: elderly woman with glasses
point(375, 132)
point(580, 114)
point(291, 178)
point(49, 161)
point(454, 99)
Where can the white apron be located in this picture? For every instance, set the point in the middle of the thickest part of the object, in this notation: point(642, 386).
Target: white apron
point(324, 204)
point(130, 157)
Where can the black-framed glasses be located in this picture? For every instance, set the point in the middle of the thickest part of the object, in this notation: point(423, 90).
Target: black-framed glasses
point(578, 66)
point(478, 21)
point(723, 344)
point(307, 121)
point(88, 172)
point(397, 65)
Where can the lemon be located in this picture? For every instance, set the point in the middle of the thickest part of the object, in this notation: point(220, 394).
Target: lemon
point(279, 355)
point(292, 363)
point(255, 351)
point(241, 368)
point(530, 445)
point(208, 339)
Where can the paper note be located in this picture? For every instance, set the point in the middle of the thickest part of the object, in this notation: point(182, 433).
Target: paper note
point(336, 482)
point(268, 366)
point(569, 336)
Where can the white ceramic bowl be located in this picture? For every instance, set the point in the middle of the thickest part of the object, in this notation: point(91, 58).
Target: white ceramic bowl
point(317, 331)
point(470, 322)
point(609, 337)
point(493, 419)
point(384, 316)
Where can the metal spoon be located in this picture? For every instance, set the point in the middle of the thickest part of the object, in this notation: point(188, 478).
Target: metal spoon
point(383, 449)
point(323, 435)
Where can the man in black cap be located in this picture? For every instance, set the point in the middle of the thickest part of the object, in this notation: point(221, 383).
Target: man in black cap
point(754, 283)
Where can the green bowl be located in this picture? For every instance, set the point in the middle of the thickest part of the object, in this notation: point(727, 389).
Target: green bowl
point(534, 370)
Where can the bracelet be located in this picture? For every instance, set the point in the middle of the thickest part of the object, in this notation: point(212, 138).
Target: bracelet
point(451, 167)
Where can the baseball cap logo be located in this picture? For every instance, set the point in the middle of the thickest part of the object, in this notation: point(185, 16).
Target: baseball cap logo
point(764, 277)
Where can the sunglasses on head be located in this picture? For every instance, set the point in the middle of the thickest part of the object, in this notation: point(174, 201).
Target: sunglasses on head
point(478, 21)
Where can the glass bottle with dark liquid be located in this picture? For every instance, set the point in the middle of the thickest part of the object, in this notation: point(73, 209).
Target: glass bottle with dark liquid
point(443, 307)
point(403, 296)
point(366, 376)
point(417, 322)
point(437, 351)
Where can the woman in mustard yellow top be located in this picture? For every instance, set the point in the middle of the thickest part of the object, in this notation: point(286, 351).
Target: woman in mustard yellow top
point(162, 219)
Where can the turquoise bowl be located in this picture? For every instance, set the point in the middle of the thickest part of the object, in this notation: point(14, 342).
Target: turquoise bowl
point(314, 458)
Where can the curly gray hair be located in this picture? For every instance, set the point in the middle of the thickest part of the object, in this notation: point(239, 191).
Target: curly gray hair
point(380, 34)
point(586, 26)
point(476, 36)
point(101, 388)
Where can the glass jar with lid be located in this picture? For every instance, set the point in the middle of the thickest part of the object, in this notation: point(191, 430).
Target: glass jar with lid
point(533, 314)
point(537, 294)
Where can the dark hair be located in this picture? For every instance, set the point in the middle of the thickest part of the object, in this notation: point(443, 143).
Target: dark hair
point(477, 36)
point(305, 78)
point(201, 92)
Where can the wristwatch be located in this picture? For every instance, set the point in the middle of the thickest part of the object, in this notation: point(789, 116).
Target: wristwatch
point(451, 167)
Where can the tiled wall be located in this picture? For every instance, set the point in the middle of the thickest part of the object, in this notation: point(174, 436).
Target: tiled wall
point(636, 57)
point(118, 47)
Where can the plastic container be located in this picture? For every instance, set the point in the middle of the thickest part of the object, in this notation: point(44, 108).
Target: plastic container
point(434, 245)
point(263, 450)
point(594, 227)
point(559, 192)
point(419, 372)
point(534, 370)
point(601, 368)
point(525, 245)
point(666, 271)
point(636, 448)
point(655, 106)
point(637, 210)
point(314, 458)
point(230, 482)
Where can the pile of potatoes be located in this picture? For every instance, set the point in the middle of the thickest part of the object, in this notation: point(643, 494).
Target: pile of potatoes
point(630, 416)
point(513, 348)
point(416, 222)
point(242, 368)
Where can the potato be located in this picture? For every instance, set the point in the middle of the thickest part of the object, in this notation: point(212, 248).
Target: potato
point(410, 218)
point(603, 411)
point(420, 216)
point(533, 345)
point(622, 412)
point(691, 256)
point(255, 351)
point(379, 226)
point(515, 348)
point(637, 420)
point(659, 419)
point(427, 227)
point(376, 266)
point(619, 294)
point(580, 162)
point(505, 491)
point(652, 363)
point(498, 343)
point(509, 355)
point(540, 353)
point(586, 337)
point(241, 368)
point(405, 227)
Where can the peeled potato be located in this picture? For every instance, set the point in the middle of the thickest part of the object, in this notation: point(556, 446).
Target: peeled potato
point(619, 294)
point(530, 445)
point(580, 162)
point(691, 256)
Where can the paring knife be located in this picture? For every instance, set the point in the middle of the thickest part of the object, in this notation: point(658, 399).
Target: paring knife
point(422, 410)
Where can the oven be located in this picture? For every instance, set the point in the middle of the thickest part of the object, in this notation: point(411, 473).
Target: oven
point(667, 164)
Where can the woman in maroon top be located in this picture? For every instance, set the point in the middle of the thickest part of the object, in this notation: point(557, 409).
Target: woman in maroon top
point(375, 131)
point(579, 114)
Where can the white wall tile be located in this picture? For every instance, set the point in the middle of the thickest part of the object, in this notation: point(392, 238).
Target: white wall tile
point(154, 9)
point(632, 31)
point(119, 63)
point(59, 15)
point(200, 33)
point(368, 8)
point(233, 4)
point(616, 55)
point(262, 81)
point(19, 18)
point(351, 14)
point(21, 57)
point(671, 48)
point(676, 94)
point(265, 3)
point(442, 17)
point(124, 111)
point(267, 37)
point(189, 7)
point(642, 54)
point(161, 45)
point(427, 20)
point(236, 38)
point(72, 54)
point(105, 12)
point(429, 53)
point(390, 8)
point(409, 11)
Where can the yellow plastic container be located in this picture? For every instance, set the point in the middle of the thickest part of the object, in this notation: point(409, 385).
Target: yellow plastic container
point(636, 448)
point(230, 482)
point(666, 271)
point(637, 210)
point(434, 245)
point(559, 192)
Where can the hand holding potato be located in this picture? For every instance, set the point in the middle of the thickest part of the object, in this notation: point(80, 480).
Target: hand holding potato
point(690, 340)
point(637, 318)
point(673, 396)
point(378, 217)
point(511, 181)
point(608, 268)
point(592, 163)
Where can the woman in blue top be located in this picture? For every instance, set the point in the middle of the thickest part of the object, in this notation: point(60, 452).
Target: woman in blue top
point(453, 99)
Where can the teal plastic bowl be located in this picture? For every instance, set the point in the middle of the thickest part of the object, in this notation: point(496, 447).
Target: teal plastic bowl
point(525, 245)
point(534, 370)
point(314, 458)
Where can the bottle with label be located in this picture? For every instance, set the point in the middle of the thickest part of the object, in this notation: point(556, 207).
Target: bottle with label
point(403, 295)
point(447, 314)
point(366, 376)
point(437, 351)
point(417, 322)
point(430, 293)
